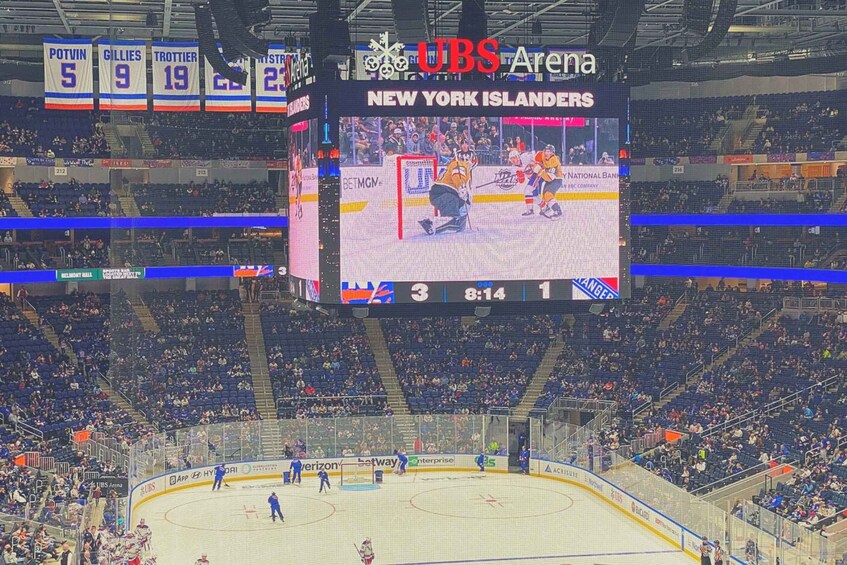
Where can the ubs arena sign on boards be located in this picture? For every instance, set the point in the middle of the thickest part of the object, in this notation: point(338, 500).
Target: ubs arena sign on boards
point(454, 58)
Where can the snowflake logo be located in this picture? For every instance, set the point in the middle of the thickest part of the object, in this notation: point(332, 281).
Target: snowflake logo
point(387, 58)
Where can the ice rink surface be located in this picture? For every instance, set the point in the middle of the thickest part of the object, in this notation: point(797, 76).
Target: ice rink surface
point(500, 244)
point(417, 519)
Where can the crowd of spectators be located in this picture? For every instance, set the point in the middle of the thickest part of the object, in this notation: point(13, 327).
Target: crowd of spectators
point(447, 366)
point(47, 199)
point(217, 136)
point(668, 128)
point(771, 247)
point(321, 366)
point(677, 196)
point(806, 126)
point(366, 141)
point(196, 370)
point(204, 199)
point(28, 130)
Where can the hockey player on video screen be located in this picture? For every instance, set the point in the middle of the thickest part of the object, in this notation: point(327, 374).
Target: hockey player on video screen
point(465, 153)
point(525, 179)
point(298, 186)
point(549, 168)
point(451, 198)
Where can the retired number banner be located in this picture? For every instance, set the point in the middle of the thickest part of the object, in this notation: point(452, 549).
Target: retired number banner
point(223, 95)
point(270, 80)
point(176, 76)
point(68, 74)
point(123, 74)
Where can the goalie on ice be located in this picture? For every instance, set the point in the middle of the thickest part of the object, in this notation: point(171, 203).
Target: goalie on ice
point(451, 198)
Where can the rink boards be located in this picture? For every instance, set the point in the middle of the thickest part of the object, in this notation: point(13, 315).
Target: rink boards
point(643, 514)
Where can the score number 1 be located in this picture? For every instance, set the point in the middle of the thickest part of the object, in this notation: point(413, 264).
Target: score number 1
point(545, 290)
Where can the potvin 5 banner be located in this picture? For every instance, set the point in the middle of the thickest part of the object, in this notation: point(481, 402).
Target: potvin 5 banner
point(68, 74)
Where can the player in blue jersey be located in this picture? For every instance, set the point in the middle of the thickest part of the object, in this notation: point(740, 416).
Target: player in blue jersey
point(324, 477)
point(220, 471)
point(403, 460)
point(480, 460)
point(523, 457)
point(273, 500)
point(296, 468)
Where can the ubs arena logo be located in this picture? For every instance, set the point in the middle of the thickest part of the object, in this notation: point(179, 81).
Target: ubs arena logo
point(461, 56)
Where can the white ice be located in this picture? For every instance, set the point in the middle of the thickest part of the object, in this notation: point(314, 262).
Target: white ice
point(499, 245)
point(418, 519)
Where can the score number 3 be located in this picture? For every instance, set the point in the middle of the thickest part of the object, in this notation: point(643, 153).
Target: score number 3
point(420, 292)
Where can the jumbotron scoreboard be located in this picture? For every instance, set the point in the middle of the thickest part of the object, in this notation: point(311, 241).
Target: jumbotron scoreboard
point(467, 191)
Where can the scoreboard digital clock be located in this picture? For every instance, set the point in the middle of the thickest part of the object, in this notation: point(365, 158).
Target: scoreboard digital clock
point(482, 291)
point(421, 204)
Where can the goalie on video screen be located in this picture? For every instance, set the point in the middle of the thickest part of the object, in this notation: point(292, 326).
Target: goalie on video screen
point(451, 198)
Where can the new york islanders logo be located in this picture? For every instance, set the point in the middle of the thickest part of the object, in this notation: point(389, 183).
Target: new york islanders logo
point(595, 288)
point(369, 293)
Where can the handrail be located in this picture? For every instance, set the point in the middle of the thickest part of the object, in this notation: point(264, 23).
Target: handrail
point(729, 478)
point(768, 408)
point(641, 408)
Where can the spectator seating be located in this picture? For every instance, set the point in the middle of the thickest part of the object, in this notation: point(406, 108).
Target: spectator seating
point(48, 199)
point(445, 366)
point(197, 369)
point(204, 199)
point(320, 366)
point(213, 136)
point(27, 129)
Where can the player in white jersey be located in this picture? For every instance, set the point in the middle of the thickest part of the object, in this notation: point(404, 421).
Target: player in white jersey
point(143, 534)
point(202, 560)
point(525, 179)
point(366, 553)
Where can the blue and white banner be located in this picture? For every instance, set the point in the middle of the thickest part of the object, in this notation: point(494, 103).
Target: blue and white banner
point(223, 95)
point(176, 76)
point(270, 80)
point(123, 74)
point(68, 74)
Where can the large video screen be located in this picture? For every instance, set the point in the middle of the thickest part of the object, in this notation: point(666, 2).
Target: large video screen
point(455, 209)
point(304, 265)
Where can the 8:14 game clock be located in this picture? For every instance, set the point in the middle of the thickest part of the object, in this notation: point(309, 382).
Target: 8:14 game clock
point(485, 292)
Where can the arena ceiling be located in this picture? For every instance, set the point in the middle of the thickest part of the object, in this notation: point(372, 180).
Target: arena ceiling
point(760, 25)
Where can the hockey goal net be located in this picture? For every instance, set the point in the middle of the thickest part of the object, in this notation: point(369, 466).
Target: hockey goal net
point(410, 177)
point(357, 473)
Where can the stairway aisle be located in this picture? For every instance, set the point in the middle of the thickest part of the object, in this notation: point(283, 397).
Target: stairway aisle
point(403, 419)
point(536, 384)
point(262, 387)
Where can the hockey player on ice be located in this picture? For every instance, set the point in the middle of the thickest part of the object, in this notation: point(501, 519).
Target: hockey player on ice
point(143, 535)
point(367, 552)
point(527, 180)
point(450, 196)
point(549, 168)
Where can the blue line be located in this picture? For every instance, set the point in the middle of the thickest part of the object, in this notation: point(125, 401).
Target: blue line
point(120, 96)
point(277, 98)
point(68, 95)
point(176, 97)
point(796, 220)
point(182, 222)
point(776, 273)
point(227, 97)
point(567, 556)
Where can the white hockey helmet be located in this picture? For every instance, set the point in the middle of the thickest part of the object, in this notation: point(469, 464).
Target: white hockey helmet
point(513, 154)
